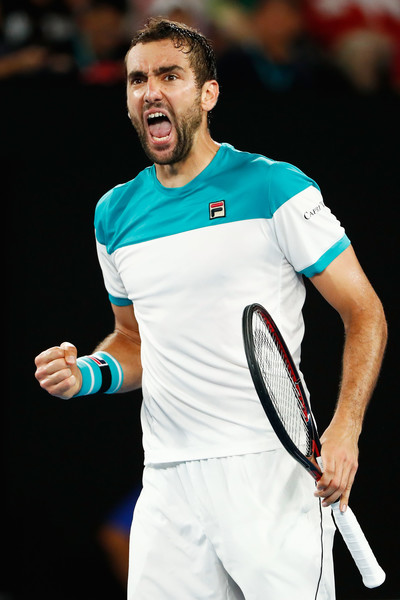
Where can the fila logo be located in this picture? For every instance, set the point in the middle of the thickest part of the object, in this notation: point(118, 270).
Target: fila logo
point(217, 209)
point(99, 361)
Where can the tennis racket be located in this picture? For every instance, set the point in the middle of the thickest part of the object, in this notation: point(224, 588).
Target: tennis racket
point(282, 396)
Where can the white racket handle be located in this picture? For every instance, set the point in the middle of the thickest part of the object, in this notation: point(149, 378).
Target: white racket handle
point(372, 574)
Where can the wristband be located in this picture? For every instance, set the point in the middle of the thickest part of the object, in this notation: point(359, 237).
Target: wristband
point(101, 373)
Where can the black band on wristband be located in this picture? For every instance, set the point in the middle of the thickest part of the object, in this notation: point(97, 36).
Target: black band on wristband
point(105, 378)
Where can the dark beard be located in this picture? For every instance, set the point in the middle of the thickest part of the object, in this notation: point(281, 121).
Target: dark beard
point(185, 134)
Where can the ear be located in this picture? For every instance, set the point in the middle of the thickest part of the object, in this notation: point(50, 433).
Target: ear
point(209, 95)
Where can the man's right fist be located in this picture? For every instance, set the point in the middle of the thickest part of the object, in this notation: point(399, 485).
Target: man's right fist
point(57, 371)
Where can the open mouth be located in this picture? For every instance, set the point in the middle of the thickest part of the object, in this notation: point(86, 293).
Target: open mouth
point(160, 127)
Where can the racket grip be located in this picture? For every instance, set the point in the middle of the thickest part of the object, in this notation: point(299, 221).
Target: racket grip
point(371, 572)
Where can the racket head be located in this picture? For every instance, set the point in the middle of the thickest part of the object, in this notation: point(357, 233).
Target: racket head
point(279, 387)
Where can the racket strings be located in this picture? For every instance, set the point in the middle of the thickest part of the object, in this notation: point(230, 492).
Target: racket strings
point(282, 389)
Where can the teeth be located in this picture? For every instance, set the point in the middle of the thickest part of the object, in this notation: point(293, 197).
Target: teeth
point(154, 115)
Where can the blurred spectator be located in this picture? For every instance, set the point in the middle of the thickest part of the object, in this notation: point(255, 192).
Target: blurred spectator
point(271, 49)
point(36, 38)
point(76, 7)
point(191, 12)
point(100, 44)
point(23, 61)
point(114, 536)
point(361, 36)
point(231, 22)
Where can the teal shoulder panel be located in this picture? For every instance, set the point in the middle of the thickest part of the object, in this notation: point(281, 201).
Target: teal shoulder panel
point(235, 186)
point(100, 217)
point(286, 181)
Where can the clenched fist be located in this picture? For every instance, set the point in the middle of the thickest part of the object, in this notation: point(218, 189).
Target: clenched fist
point(57, 371)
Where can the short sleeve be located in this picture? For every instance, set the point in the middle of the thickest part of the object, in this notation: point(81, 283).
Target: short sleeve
point(112, 280)
point(309, 235)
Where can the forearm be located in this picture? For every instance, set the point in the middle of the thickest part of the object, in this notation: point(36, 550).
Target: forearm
point(365, 341)
point(345, 286)
point(362, 357)
point(126, 350)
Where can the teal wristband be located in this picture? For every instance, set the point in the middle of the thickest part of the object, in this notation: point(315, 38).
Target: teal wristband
point(101, 373)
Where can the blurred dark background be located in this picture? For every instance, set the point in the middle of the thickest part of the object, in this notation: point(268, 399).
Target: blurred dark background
point(315, 84)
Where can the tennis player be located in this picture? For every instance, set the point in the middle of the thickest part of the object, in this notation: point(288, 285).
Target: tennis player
point(225, 512)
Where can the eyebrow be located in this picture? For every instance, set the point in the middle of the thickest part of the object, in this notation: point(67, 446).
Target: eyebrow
point(159, 71)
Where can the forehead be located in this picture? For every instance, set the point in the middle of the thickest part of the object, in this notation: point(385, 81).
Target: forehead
point(152, 55)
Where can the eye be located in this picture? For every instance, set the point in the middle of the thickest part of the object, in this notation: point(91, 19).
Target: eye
point(136, 79)
point(171, 77)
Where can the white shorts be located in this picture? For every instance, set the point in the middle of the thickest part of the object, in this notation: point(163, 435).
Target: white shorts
point(241, 527)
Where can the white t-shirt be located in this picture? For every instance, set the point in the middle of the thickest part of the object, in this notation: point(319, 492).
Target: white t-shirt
point(190, 259)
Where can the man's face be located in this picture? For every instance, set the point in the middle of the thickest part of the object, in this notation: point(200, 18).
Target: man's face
point(163, 100)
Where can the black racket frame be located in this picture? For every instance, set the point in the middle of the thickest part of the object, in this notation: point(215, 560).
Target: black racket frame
point(262, 391)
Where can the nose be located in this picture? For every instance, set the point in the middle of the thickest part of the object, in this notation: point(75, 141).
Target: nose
point(152, 91)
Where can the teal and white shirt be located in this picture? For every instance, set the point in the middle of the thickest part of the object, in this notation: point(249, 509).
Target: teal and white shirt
point(190, 259)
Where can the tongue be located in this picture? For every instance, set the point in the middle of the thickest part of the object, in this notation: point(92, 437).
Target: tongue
point(161, 129)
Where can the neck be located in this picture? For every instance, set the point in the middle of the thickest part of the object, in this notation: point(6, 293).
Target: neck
point(180, 173)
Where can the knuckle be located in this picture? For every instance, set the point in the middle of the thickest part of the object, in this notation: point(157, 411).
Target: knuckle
point(40, 373)
point(335, 483)
point(44, 383)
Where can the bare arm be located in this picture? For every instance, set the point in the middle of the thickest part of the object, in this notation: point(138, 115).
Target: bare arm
point(345, 286)
point(56, 368)
point(124, 344)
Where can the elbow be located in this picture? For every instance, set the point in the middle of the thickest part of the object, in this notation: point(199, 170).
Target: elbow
point(384, 327)
point(378, 319)
point(367, 315)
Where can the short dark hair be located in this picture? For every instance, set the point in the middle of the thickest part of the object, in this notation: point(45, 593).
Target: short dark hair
point(199, 49)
